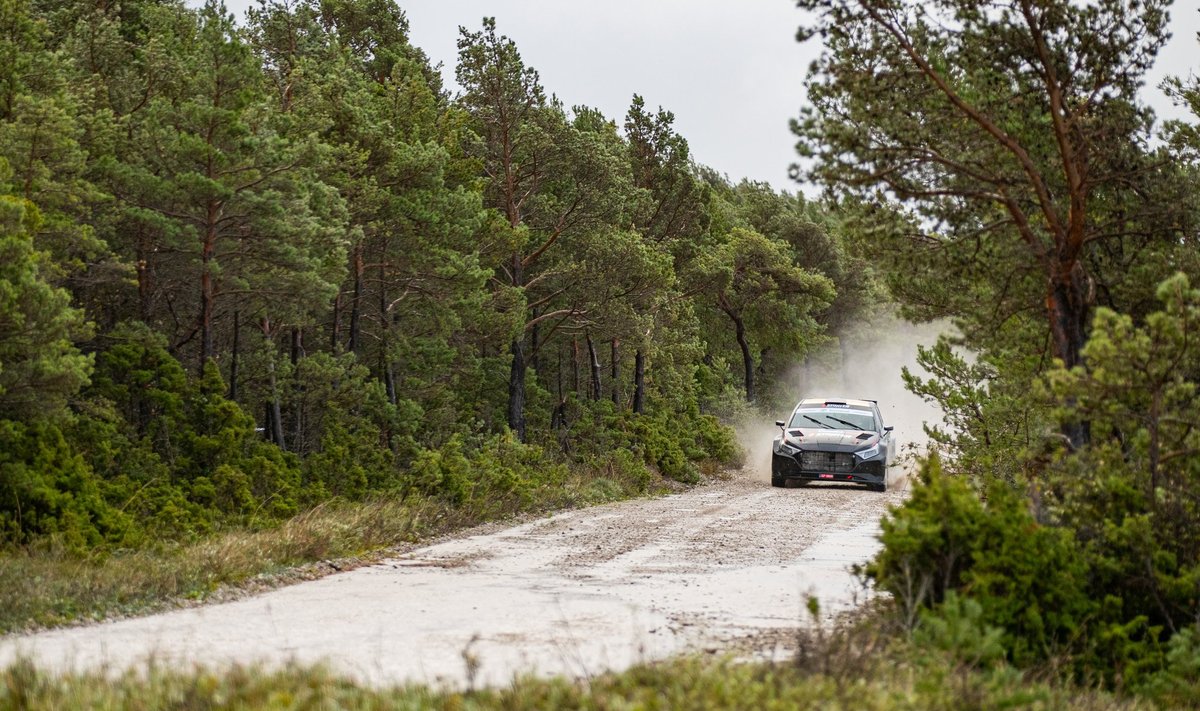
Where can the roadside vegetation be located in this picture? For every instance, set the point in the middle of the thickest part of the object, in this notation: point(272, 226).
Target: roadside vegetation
point(44, 586)
point(852, 670)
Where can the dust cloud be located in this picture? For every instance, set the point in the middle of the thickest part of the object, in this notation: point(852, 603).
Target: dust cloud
point(863, 364)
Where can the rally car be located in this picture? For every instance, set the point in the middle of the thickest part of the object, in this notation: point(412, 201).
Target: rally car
point(835, 440)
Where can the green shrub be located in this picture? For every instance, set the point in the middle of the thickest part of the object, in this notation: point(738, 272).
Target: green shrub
point(662, 448)
point(1178, 684)
point(1028, 580)
point(442, 473)
point(48, 490)
point(517, 473)
point(716, 441)
point(621, 465)
point(488, 475)
point(956, 627)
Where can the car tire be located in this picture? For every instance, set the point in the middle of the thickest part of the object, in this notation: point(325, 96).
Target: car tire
point(778, 481)
point(883, 485)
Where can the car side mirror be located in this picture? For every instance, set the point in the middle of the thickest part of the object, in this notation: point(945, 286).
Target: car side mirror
point(889, 428)
point(780, 424)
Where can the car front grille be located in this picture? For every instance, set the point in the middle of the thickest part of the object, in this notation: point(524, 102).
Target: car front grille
point(827, 461)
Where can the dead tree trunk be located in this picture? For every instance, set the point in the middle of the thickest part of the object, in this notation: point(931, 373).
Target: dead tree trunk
point(594, 365)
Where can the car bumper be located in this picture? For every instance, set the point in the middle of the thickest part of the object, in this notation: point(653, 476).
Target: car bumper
point(869, 471)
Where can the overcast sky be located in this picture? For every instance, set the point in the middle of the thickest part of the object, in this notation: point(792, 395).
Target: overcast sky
point(730, 70)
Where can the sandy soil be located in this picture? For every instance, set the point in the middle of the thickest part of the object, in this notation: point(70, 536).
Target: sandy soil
point(724, 566)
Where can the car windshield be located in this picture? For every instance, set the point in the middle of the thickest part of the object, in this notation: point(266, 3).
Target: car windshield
point(840, 419)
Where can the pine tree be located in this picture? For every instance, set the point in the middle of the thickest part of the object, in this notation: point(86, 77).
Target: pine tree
point(231, 212)
point(40, 367)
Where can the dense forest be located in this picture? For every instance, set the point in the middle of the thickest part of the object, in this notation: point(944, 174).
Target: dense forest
point(253, 267)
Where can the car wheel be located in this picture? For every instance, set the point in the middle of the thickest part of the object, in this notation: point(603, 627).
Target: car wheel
point(879, 487)
point(778, 481)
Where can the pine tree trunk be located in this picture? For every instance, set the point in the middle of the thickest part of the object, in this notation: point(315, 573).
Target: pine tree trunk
point(747, 358)
point(516, 390)
point(386, 371)
point(1068, 310)
point(516, 373)
point(298, 409)
point(533, 343)
point(639, 382)
point(740, 331)
point(145, 282)
point(615, 373)
point(356, 302)
point(558, 416)
point(268, 421)
point(274, 413)
point(389, 382)
point(335, 331)
point(575, 365)
point(233, 360)
point(207, 288)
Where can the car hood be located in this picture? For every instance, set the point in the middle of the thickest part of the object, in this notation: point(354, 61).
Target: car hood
point(845, 440)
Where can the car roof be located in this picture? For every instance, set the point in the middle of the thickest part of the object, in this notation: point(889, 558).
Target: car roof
point(822, 401)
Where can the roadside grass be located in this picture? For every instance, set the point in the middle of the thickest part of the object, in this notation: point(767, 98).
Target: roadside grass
point(44, 586)
point(899, 679)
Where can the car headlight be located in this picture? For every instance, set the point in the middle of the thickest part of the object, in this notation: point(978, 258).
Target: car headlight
point(869, 452)
point(783, 446)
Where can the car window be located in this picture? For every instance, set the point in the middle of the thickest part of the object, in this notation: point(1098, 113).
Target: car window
point(839, 419)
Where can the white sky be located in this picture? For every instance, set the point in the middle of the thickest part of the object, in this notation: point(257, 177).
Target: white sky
point(730, 70)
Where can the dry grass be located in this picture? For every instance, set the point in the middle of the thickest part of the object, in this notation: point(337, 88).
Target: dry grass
point(891, 683)
point(47, 587)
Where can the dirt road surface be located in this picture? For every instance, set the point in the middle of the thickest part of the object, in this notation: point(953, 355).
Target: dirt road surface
point(723, 567)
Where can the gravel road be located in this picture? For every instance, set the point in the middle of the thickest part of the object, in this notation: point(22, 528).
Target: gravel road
point(725, 566)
